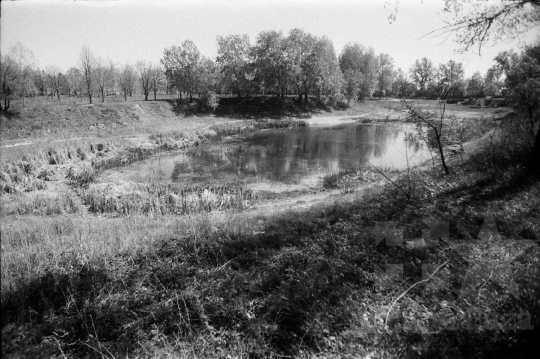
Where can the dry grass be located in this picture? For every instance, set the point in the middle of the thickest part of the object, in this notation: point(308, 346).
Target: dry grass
point(33, 245)
point(52, 201)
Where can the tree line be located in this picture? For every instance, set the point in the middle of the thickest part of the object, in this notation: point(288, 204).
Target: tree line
point(92, 78)
point(298, 63)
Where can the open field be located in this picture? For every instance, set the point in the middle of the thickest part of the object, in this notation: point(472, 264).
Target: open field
point(165, 270)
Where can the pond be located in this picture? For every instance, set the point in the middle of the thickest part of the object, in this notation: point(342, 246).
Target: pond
point(296, 157)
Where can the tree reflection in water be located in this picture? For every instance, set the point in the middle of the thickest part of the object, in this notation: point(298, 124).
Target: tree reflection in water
point(290, 156)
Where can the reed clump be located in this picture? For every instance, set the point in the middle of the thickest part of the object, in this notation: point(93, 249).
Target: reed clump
point(349, 178)
point(33, 172)
point(228, 129)
point(41, 203)
point(161, 199)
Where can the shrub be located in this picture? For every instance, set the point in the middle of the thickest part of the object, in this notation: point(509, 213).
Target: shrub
point(81, 175)
point(209, 101)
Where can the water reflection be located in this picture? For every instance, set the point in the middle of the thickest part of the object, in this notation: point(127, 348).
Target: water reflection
point(298, 155)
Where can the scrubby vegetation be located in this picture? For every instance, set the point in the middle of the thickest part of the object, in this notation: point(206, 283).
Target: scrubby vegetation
point(138, 279)
point(421, 264)
point(299, 285)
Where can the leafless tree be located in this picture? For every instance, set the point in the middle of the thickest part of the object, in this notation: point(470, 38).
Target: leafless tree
point(75, 82)
point(144, 70)
point(104, 75)
point(87, 63)
point(127, 80)
point(476, 23)
point(434, 121)
point(157, 80)
point(53, 80)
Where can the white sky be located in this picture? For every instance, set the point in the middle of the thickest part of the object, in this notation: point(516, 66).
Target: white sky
point(127, 31)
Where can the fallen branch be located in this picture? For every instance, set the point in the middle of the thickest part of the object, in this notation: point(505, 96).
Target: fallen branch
point(407, 291)
point(388, 178)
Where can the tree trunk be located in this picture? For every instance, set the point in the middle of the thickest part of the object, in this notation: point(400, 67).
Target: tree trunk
point(146, 95)
point(155, 92)
point(90, 96)
point(125, 95)
point(102, 96)
point(6, 104)
point(536, 150)
point(441, 152)
point(58, 94)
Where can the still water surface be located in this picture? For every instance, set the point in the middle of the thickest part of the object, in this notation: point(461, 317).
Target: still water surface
point(297, 156)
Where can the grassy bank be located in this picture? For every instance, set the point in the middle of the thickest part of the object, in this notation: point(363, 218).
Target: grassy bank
point(79, 162)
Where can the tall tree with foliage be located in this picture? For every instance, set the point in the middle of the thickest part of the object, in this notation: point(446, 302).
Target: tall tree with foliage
point(8, 77)
point(182, 67)
point(385, 73)
point(332, 78)
point(359, 68)
point(172, 61)
point(401, 86)
point(523, 83)
point(492, 81)
point(235, 61)
point(323, 68)
point(475, 88)
point(449, 75)
point(271, 59)
point(208, 75)
point(422, 73)
point(300, 46)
